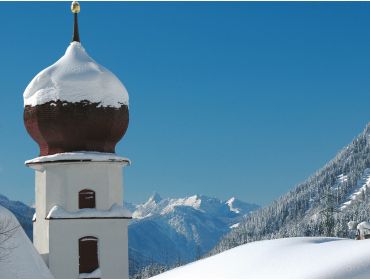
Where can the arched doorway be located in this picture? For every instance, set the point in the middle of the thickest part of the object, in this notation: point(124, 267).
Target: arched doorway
point(86, 199)
point(88, 254)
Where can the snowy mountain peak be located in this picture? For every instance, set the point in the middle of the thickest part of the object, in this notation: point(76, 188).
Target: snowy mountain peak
point(239, 207)
point(156, 205)
point(182, 227)
point(232, 205)
point(156, 198)
point(230, 202)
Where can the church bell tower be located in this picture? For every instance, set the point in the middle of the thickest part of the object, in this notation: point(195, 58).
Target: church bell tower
point(77, 111)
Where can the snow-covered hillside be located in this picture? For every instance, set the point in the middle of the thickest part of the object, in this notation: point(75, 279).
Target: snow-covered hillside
point(300, 257)
point(322, 205)
point(18, 257)
point(22, 212)
point(170, 230)
point(359, 191)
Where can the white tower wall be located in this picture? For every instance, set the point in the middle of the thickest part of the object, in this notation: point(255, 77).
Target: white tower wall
point(112, 246)
point(58, 183)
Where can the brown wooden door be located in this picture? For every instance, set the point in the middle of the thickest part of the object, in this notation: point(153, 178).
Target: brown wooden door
point(88, 252)
point(86, 199)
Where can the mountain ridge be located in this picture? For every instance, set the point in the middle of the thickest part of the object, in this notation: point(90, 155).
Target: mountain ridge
point(179, 230)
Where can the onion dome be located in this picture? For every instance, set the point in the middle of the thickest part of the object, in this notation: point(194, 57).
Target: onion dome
point(76, 104)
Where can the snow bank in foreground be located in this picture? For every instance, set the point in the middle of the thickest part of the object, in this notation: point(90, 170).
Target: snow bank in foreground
point(18, 257)
point(76, 77)
point(300, 257)
point(116, 211)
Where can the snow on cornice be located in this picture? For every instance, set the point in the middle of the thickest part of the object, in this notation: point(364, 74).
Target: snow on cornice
point(116, 211)
point(76, 77)
point(79, 156)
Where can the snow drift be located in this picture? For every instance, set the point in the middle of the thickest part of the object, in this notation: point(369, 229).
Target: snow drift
point(18, 257)
point(299, 257)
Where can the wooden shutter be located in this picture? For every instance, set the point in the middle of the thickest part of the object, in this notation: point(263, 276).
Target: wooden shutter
point(88, 252)
point(86, 199)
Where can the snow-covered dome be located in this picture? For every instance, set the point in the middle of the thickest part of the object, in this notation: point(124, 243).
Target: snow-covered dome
point(76, 77)
point(76, 104)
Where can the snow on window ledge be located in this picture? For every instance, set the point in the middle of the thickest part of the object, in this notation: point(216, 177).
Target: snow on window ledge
point(92, 275)
point(79, 156)
point(116, 211)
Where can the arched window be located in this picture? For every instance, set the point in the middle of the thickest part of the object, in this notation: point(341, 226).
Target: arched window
point(86, 199)
point(88, 254)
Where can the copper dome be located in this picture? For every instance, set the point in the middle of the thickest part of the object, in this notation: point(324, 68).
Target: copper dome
point(76, 105)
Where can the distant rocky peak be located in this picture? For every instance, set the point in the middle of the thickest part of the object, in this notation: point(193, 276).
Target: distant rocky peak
point(155, 197)
point(230, 200)
point(233, 204)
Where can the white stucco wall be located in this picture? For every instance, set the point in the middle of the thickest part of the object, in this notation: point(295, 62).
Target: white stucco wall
point(41, 226)
point(58, 183)
point(112, 246)
point(65, 180)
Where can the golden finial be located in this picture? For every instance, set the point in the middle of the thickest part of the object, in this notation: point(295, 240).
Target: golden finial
point(75, 7)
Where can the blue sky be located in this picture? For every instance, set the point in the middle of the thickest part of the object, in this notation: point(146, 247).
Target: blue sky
point(226, 99)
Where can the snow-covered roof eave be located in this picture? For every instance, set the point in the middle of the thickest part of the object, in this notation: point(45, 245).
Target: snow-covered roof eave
point(81, 156)
point(115, 212)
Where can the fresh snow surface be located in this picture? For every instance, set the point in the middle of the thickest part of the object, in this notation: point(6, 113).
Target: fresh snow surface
point(92, 156)
point(116, 211)
point(299, 257)
point(362, 185)
point(92, 275)
point(18, 257)
point(76, 77)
